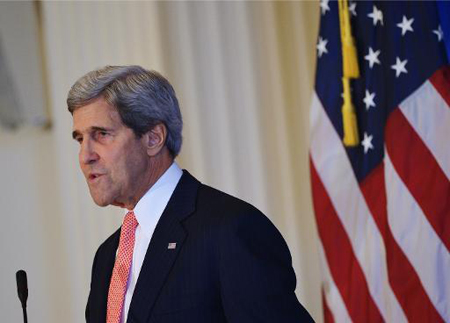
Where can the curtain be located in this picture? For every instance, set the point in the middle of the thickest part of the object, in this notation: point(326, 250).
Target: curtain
point(243, 73)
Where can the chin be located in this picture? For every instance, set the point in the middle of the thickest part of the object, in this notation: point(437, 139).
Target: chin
point(100, 202)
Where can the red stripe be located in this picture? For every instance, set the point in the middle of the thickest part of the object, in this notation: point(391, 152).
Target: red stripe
point(420, 172)
point(403, 278)
point(441, 82)
point(327, 315)
point(344, 267)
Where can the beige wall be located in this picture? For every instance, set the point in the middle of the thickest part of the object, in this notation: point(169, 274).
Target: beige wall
point(243, 72)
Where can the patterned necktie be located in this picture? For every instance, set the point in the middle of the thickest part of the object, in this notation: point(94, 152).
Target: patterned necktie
point(118, 285)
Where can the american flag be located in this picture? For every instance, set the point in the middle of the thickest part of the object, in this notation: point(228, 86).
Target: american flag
point(383, 207)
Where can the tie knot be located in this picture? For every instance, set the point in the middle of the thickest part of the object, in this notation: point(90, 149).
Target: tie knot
point(129, 222)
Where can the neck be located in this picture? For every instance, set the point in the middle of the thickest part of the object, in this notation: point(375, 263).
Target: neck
point(158, 165)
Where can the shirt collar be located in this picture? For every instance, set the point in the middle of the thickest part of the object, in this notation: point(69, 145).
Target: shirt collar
point(151, 206)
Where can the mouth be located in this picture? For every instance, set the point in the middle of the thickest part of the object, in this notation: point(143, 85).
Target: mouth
point(93, 177)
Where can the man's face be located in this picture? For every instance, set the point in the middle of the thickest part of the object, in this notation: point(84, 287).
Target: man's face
point(113, 160)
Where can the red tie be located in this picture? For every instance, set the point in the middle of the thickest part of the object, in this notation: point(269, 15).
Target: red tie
point(121, 271)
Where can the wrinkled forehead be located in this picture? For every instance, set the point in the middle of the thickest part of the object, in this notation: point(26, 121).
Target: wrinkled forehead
point(97, 113)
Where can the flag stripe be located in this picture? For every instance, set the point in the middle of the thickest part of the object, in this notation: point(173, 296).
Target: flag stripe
point(333, 300)
point(432, 189)
point(410, 293)
point(331, 161)
point(342, 264)
point(327, 315)
point(441, 82)
point(429, 115)
point(416, 237)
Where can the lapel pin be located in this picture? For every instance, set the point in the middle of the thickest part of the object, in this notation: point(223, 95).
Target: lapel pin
point(172, 245)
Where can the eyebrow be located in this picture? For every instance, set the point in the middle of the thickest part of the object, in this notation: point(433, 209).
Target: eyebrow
point(75, 133)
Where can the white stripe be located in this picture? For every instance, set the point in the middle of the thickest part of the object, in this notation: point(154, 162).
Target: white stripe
point(336, 173)
point(418, 240)
point(333, 297)
point(429, 115)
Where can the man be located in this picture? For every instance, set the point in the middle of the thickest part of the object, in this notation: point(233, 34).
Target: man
point(185, 252)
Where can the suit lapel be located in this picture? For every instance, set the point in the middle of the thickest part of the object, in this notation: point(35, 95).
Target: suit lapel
point(103, 277)
point(160, 257)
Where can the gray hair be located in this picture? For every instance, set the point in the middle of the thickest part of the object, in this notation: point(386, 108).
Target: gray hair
point(143, 99)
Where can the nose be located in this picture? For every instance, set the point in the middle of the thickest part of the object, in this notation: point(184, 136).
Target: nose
point(88, 154)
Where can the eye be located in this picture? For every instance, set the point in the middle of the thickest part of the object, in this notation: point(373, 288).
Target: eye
point(101, 134)
point(78, 139)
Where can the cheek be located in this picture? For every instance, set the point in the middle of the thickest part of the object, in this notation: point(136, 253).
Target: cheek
point(117, 167)
point(126, 164)
point(134, 165)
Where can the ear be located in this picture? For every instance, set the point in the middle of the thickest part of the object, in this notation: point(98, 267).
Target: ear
point(155, 139)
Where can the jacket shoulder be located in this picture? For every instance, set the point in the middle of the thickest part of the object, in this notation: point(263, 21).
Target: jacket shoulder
point(219, 200)
point(110, 242)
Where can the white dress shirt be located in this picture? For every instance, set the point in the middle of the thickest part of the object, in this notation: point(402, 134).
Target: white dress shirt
point(148, 211)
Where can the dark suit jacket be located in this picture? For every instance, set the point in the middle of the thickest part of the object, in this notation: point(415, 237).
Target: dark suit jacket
point(230, 264)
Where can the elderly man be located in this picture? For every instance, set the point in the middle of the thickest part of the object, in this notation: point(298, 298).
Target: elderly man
point(185, 251)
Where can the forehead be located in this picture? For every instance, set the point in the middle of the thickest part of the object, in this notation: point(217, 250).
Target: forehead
point(97, 113)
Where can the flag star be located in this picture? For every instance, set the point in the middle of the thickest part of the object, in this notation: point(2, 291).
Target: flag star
point(372, 57)
point(352, 8)
point(406, 25)
point(322, 47)
point(439, 33)
point(369, 100)
point(399, 67)
point(367, 142)
point(324, 6)
point(376, 15)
